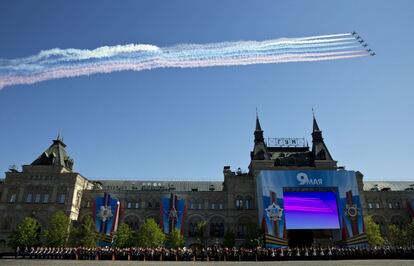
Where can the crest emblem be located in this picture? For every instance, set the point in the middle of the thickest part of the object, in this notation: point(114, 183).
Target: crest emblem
point(351, 210)
point(274, 212)
point(105, 213)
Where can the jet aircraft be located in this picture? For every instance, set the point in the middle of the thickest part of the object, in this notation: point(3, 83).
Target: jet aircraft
point(354, 33)
point(365, 45)
point(373, 53)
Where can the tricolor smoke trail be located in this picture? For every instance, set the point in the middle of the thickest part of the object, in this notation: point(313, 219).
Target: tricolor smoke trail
point(63, 63)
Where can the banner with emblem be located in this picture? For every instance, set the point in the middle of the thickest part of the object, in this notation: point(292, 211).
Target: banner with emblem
point(173, 211)
point(106, 218)
point(311, 199)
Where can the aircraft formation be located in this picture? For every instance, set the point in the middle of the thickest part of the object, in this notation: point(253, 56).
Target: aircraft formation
point(363, 43)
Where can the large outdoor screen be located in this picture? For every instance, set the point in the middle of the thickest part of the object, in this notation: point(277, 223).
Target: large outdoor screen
point(311, 210)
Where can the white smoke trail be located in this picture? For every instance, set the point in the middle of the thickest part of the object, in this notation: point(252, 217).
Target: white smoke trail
point(64, 63)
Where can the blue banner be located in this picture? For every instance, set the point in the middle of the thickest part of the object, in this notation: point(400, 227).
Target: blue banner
point(106, 218)
point(173, 211)
point(271, 185)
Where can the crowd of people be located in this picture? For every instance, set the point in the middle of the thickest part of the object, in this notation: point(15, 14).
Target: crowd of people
point(216, 253)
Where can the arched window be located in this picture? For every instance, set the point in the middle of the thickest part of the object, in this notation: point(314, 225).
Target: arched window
point(221, 205)
point(192, 204)
point(239, 202)
point(199, 204)
point(249, 202)
point(194, 227)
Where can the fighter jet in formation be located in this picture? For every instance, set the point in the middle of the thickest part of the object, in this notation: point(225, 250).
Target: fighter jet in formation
point(363, 43)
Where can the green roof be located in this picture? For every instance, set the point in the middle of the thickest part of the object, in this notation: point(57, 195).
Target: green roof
point(56, 154)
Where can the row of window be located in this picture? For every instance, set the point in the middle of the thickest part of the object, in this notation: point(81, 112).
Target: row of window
point(37, 198)
point(137, 205)
point(389, 205)
point(212, 206)
point(246, 203)
point(240, 203)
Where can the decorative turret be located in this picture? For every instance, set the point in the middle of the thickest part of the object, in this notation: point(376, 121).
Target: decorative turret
point(260, 150)
point(258, 133)
point(319, 150)
point(55, 155)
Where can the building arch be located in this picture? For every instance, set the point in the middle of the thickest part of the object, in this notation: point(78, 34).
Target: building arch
point(380, 221)
point(132, 221)
point(216, 226)
point(193, 220)
point(243, 224)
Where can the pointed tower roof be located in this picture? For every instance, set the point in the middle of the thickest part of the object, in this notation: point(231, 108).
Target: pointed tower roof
point(259, 150)
point(319, 149)
point(56, 154)
point(258, 127)
point(315, 124)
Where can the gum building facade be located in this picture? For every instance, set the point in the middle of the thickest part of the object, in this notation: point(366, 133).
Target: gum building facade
point(50, 183)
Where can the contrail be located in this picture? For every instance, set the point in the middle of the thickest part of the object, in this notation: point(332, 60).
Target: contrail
point(63, 63)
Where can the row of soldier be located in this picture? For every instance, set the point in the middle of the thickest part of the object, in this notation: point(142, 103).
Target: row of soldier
point(215, 253)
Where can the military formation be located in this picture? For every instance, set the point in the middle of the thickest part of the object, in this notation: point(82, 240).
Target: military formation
point(215, 253)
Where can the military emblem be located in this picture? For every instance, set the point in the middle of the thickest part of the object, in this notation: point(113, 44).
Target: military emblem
point(173, 214)
point(351, 210)
point(274, 212)
point(105, 213)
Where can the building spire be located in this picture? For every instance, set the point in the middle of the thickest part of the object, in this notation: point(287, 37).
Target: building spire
point(315, 124)
point(319, 149)
point(258, 127)
point(258, 132)
point(259, 150)
point(59, 137)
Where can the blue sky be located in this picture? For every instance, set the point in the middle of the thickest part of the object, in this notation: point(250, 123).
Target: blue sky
point(189, 123)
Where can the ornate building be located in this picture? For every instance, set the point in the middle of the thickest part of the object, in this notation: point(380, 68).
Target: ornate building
point(50, 184)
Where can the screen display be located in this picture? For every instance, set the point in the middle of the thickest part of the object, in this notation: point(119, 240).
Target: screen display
point(311, 210)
